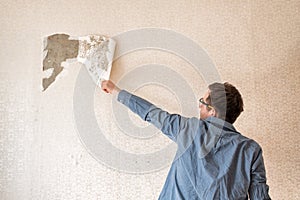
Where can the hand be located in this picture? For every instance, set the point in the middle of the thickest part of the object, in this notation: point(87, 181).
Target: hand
point(109, 87)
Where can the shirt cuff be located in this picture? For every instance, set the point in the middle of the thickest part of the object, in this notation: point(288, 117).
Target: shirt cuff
point(260, 192)
point(124, 97)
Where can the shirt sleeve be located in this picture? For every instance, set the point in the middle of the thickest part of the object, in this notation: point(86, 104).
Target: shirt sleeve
point(169, 124)
point(258, 189)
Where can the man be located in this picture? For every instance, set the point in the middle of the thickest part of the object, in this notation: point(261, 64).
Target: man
point(213, 160)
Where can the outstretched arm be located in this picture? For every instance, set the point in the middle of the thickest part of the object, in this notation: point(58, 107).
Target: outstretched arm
point(169, 124)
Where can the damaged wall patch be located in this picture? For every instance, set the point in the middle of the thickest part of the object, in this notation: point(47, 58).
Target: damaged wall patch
point(58, 48)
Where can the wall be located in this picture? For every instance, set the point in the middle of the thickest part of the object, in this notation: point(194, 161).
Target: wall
point(253, 44)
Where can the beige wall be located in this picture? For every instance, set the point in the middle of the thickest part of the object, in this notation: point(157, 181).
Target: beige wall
point(254, 45)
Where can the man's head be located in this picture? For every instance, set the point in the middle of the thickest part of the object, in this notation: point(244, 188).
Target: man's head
point(223, 101)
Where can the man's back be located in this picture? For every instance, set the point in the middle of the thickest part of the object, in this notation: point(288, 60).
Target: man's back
point(203, 170)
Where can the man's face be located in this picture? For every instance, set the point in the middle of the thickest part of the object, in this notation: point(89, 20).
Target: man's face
point(204, 110)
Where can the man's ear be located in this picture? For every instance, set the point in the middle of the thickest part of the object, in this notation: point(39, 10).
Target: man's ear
point(213, 112)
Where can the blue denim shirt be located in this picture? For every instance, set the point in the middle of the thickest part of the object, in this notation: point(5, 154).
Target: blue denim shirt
point(213, 160)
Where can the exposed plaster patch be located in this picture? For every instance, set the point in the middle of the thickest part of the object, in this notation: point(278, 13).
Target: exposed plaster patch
point(58, 49)
point(47, 73)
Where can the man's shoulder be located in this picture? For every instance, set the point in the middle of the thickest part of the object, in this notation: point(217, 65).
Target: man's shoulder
point(248, 142)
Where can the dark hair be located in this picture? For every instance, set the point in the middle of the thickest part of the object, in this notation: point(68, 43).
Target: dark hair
point(227, 101)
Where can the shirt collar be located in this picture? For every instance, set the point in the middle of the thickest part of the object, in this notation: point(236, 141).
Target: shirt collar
point(220, 123)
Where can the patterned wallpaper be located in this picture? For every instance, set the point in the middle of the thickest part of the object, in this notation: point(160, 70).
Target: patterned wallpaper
point(253, 45)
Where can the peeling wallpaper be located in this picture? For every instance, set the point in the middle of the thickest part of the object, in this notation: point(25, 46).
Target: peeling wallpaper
point(253, 45)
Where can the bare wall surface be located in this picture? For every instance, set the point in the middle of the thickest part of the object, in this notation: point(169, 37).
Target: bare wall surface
point(253, 45)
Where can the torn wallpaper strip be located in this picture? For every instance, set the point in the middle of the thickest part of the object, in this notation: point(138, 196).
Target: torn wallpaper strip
point(96, 53)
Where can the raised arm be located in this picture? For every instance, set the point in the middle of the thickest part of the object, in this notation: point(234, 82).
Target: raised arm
point(169, 124)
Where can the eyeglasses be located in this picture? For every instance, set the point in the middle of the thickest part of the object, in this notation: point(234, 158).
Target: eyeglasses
point(204, 103)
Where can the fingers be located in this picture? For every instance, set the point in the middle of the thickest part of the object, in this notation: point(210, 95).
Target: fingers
point(107, 86)
point(104, 86)
point(104, 83)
